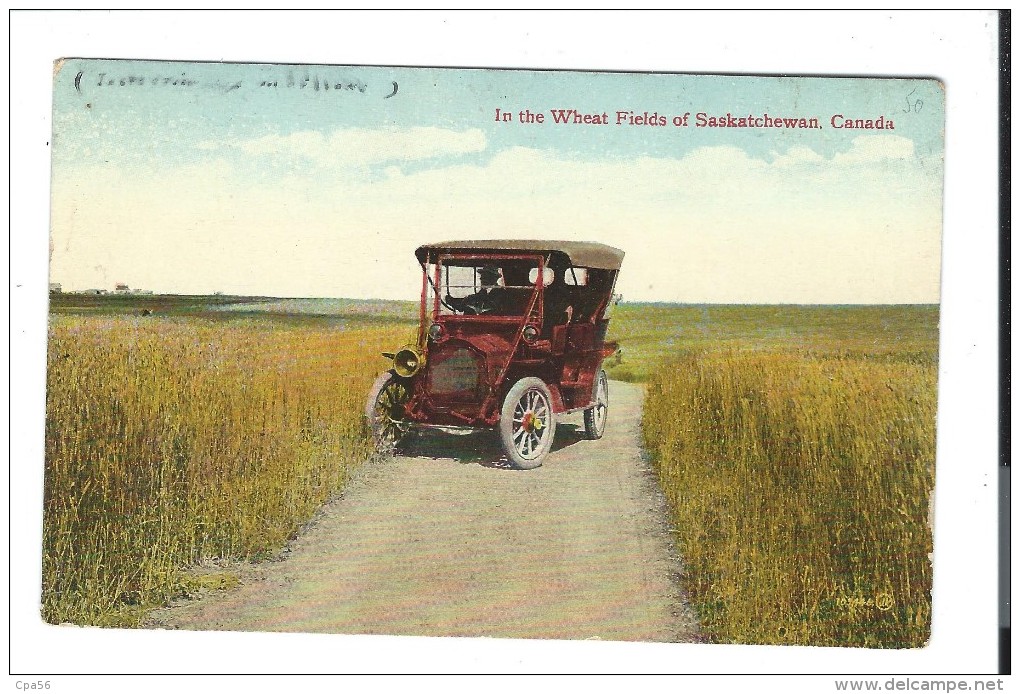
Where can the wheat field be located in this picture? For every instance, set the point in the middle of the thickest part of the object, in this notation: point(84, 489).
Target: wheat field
point(175, 440)
point(795, 446)
point(799, 479)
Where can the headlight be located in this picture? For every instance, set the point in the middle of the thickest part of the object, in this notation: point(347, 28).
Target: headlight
point(407, 362)
point(435, 331)
point(530, 333)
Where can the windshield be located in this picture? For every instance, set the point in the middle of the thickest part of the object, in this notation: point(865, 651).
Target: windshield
point(484, 286)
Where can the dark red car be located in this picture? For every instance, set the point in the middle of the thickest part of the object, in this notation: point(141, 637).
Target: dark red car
point(511, 336)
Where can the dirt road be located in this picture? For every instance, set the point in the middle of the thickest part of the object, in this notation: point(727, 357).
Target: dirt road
point(446, 540)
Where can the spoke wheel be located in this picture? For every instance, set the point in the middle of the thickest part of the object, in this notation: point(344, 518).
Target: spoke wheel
point(595, 416)
point(527, 424)
point(385, 412)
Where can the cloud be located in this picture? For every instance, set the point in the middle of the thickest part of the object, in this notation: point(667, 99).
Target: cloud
point(872, 149)
point(359, 147)
point(796, 156)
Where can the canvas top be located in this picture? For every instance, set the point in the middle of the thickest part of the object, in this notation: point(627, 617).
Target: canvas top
point(580, 253)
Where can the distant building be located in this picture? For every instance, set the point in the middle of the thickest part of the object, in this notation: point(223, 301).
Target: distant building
point(55, 288)
point(121, 288)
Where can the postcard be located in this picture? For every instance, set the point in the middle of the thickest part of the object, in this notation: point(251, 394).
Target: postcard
point(566, 355)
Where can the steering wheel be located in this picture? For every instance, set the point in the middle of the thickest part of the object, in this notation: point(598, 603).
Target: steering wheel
point(476, 309)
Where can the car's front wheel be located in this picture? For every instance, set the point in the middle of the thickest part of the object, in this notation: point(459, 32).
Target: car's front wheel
point(385, 411)
point(527, 424)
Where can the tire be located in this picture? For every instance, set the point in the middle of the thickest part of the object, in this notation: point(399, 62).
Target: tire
point(527, 424)
point(596, 416)
point(384, 411)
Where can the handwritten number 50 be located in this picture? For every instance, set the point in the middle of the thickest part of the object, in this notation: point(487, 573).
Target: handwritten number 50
point(914, 106)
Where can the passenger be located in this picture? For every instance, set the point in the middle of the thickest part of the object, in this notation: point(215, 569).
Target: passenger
point(559, 308)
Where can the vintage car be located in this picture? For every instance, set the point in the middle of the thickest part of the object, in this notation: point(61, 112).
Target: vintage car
point(511, 336)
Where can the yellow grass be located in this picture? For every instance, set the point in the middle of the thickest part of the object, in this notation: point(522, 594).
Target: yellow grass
point(795, 445)
point(170, 441)
point(800, 487)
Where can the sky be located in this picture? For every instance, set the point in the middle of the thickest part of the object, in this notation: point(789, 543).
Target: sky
point(258, 180)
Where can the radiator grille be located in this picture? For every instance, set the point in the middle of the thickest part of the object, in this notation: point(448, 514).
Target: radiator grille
point(455, 372)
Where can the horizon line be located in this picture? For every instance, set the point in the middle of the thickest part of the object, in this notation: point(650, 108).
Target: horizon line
point(667, 302)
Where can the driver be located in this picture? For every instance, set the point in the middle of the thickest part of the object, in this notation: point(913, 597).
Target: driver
point(491, 298)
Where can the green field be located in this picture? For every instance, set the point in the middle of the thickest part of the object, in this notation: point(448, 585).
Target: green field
point(221, 308)
point(795, 445)
point(651, 334)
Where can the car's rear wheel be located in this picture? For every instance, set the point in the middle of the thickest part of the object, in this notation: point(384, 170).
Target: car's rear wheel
point(527, 424)
point(385, 411)
point(595, 416)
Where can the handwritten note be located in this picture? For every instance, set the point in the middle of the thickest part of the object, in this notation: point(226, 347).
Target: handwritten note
point(299, 80)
